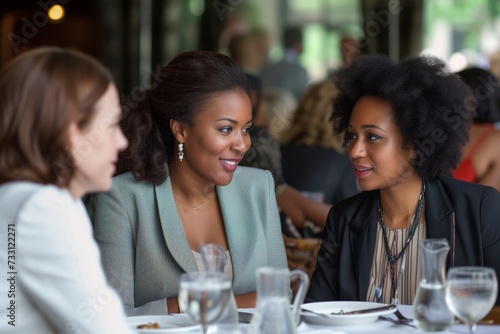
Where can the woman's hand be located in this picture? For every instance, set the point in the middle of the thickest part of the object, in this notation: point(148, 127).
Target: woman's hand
point(173, 305)
point(246, 300)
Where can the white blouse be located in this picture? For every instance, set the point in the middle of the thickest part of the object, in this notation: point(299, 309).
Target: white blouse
point(56, 282)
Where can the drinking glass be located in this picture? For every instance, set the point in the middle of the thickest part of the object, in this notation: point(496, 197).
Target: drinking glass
point(204, 295)
point(471, 293)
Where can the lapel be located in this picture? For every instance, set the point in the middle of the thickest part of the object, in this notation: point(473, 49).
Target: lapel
point(233, 209)
point(362, 233)
point(171, 226)
point(439, 216)
point(238, 225)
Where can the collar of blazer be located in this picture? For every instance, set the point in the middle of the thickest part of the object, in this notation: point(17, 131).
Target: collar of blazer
point(234, 208)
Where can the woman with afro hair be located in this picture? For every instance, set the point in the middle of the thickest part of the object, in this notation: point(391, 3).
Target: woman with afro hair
point(404, 126)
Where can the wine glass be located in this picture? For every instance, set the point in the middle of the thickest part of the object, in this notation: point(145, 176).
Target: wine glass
point(471, 293)
point(204, 295)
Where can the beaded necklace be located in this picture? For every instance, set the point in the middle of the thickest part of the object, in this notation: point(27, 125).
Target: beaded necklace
point(392, 258)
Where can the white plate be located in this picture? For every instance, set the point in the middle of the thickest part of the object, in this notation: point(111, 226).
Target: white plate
point(168, 323)
point(342, 319)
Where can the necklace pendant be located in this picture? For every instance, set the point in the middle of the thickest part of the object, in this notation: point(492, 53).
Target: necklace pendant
point(378, 294)
point(393, 259)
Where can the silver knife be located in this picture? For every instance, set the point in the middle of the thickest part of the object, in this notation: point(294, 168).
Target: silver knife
point(363, 311)
point(370, 310)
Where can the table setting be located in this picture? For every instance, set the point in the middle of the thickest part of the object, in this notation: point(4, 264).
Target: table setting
point(181, 323)
point(380, 324)
point(453, 303)
point(274, 312)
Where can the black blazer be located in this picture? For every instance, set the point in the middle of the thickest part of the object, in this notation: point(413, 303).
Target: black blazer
point(466, 214)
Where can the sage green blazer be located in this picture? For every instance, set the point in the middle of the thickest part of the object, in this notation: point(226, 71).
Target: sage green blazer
point(144, 249)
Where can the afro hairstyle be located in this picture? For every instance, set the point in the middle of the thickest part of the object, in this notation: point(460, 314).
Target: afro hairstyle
point(433, 107)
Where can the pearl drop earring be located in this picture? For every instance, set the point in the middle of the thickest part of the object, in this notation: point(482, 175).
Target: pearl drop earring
point(181, 151)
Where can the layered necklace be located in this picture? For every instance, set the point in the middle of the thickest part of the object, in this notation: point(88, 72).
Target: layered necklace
point(394, 258)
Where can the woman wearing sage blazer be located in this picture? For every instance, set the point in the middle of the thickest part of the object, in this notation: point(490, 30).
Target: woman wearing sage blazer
point(183, 188)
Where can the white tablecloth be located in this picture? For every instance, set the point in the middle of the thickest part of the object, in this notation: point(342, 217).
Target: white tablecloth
point(383, 326)
point(379, 326)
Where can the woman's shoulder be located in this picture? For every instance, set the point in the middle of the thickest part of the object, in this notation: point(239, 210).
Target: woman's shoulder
point(24, 191)
point(356, 203)
point(459, 185)
point(243, 173)
point(251, 177)
point(130, 182)
point(462, 189)
point(492, 140)
point(21, 196)
point(125, 178)
point(126, 189)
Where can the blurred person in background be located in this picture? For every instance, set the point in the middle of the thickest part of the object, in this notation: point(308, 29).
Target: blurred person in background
point(350, 49)
point(296, 209)
point(494, 60)
point(243, 49)
point(481, 155)
point(288, 73)
point(262, 40)
point(313, 158)
point(278, 106)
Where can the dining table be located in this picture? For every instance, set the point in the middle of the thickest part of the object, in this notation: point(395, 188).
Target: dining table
point(489, 325)
point(384, 326)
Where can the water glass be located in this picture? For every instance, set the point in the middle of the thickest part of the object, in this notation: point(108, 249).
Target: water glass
point(471, 293)
point(204, 296)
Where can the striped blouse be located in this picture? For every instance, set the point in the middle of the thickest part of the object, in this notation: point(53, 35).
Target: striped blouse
point(380, 275)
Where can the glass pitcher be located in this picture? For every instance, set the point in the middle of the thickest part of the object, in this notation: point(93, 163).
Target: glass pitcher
point(430, 312)
point(274, 314)
point(214, 259)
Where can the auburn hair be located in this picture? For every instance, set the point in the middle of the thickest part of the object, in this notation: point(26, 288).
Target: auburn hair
point(42, 92)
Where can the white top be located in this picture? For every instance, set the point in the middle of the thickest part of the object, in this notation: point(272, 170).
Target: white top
point(52, 280)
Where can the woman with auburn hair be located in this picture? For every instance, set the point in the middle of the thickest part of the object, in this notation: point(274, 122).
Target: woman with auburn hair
point(183, 188)
point(59, 140)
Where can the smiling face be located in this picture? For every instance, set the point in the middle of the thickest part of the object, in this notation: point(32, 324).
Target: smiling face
point(95, 148)
point(375, 145)
point(218, 138)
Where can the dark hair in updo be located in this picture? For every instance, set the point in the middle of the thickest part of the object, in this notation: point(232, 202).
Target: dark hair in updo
point(432, 107)
point(180, 90)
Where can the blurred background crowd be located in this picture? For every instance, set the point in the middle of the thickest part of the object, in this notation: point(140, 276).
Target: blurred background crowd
point(134, 38)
